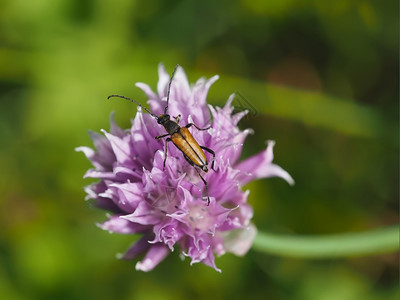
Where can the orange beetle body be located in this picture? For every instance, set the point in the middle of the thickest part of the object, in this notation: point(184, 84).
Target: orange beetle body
point(185, 142)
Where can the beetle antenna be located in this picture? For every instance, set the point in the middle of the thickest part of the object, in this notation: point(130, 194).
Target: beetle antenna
point(129, 99)
point(169, 88)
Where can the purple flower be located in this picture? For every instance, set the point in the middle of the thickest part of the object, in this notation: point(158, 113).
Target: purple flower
point(169, 207)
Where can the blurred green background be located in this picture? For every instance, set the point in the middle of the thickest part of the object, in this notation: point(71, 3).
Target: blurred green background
point(323, 77)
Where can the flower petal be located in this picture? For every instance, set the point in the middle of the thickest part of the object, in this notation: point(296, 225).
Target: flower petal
point(136, 249)
point(144, 214)
point(153, 257)
point(114, 128)
point(120, 148)
point(240, 240)
point(147, 90)
point(163, 79)
point(260, 166)
point(127, 195)
point(122, 226)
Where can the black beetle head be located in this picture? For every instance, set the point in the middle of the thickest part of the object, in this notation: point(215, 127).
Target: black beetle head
point(163, 119)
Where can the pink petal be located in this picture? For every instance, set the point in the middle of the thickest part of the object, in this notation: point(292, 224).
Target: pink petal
point(147, 90)
point(91, 173)
point(138, 248)
point(114, 128)
point(163, 79)
point(126, 195)
point(210, 261)
point(119, 225)
point(240, 240)
point(89, 152)
point(260, 166)
point(144, 214)
point(180, 88)
point(120, 147)
point(153, 257)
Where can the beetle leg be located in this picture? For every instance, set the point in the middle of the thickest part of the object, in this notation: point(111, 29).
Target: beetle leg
point(198, 128)
point(177, 118)
point(201, 177)
point(166, 151)
point(213, 154)
point(161, 136)
point(205, 185)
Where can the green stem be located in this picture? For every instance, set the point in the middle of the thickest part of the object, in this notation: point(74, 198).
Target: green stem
point(372, 242)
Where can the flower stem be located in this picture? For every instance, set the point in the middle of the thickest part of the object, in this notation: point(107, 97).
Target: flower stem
point(371, 242)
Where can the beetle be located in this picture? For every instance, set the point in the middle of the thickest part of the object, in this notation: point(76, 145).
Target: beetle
point(180, 137)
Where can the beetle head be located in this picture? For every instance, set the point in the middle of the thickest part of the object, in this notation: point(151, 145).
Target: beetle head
point(163, 119)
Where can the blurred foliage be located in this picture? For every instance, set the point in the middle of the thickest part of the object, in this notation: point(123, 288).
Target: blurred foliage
point(322, 77)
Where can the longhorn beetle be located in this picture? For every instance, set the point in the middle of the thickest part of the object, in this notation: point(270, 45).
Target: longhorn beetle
point(180, 137)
